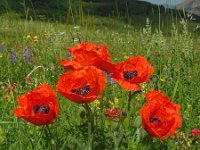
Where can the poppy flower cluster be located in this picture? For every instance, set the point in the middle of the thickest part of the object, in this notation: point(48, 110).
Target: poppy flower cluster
point(84, 80)
point(128, 74)
point(160, 117)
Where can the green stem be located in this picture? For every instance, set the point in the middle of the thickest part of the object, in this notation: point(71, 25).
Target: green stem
point(50, 138)
point(130, 96)
point(90, 126)
point(129, 99)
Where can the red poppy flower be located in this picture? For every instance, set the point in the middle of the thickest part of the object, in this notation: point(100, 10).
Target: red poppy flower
point(28, 80)
point(132, 72)
point(82, 85)
point(195, 132)
point(160, 117)
point(112, 112)
point(39, 106)
point(86, 54)
point(115, 114)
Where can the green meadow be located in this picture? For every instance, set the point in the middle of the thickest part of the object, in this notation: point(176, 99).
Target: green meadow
point(32, 45)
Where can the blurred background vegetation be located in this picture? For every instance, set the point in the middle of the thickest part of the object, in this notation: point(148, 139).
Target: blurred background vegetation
point(76, 11)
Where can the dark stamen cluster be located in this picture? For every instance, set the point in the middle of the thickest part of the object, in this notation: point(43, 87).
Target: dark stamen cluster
point(82, 91)
point(128, 75)
point(43, 109)
point(154, 119)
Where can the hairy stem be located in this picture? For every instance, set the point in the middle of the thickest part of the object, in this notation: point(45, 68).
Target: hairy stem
point(90, 126)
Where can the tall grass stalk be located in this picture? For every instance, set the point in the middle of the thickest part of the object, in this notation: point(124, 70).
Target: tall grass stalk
point(70, 14)
point(26, 9)
point(80, 10)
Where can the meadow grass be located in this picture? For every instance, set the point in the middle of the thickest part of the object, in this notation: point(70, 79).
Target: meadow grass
point(174, 56)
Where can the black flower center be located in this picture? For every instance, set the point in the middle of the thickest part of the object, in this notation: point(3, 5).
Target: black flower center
point(128, 75)
point(154, 120)
point(43, 109)
point(82, 91)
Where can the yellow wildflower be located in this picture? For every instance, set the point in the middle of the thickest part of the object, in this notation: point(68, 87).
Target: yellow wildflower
point(125, 57)
point(162, 79)
point(28, 37)
point(35, 39)
point(97, 102)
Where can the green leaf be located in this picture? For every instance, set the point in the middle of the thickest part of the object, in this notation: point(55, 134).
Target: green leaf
point(126, 123)
point(137, 122)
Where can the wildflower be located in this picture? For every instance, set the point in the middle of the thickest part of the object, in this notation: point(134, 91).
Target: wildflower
point(28, 80)
point(39, 106)
point(35, 39)
point(87, 54)
point(69, 56)
point(132, 72)
point(30, 56)
point(97, 103)
point(113, 114)
point(28, 37)
point(195, 132)
point(160, 117)
point(82, 85)
point(125, 57)
point(27, 54)
point(13, 56)
point(109, 79)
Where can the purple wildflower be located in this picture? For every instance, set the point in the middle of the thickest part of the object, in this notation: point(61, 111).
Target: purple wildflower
point(1, 47)
point(30, 57)
point(109, 79)
point(69, 55)
point(13, 56)
point(27, 54)
point(24, 53)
